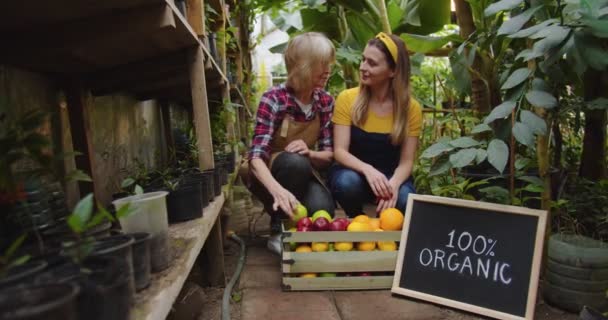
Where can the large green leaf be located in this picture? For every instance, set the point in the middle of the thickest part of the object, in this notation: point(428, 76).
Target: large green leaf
point(523, 134)
point(436, 149)
point(532, 179)
point(598, 104)
point(502, 111)
point(502, 5)
point(541, 99)
point(460, 71)
point(554, 36)
point(362, 28)
point(534, 122)
point(433, 16)
point(440, 167)
point(464, 142)
point(524, 33)
point(326, 22)
point(482, 127)
point(463, 157)
point(516, 23)
point(498, 154)
point(481, 156)
point(394, 12)
point(518, 76)
point(424, 44)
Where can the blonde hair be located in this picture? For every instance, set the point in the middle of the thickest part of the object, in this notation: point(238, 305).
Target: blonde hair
point(399, 87)
point(303, 54)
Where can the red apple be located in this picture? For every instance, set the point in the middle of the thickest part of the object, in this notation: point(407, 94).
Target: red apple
point(337, 225)
point(320, 224)
point(344, 222)
point(305, 229)
point(304, 222)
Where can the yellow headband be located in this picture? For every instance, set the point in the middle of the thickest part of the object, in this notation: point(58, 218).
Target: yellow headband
point(389, 43)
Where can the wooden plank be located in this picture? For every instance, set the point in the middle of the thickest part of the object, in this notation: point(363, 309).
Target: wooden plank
point(333, 236)
point(201, 109)
point(337, 283)
point(336, 261)
point(196, 16)
point(212, 257)
point(81, 133)
point(165, 118)
point(155, 302)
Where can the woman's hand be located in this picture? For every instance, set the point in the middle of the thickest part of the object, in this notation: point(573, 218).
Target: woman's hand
point(284, 199)
point(392, 201)
point(378, 182)
point(298, 146)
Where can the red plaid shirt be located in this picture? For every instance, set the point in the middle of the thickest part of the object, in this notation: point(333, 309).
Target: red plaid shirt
point(280, 101)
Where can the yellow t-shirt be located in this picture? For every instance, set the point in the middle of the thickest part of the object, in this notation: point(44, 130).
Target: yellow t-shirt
point(374, 123)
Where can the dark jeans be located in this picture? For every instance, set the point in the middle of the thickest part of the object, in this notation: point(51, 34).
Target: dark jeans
point(294, 173)
point(351, 190)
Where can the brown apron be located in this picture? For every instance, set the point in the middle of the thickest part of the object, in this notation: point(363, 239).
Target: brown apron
point(289, 131)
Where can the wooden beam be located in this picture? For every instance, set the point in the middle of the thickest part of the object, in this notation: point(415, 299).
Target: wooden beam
point(200, 108)
point(196, 16)
point(212, 257)
point(81, 133)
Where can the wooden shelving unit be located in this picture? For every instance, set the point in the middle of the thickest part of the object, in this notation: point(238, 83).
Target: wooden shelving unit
point(187, 239)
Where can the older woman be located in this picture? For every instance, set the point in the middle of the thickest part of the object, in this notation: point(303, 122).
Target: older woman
point(376, 129)
point(292, 135)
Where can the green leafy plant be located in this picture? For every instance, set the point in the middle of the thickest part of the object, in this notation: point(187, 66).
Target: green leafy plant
point(8, 260)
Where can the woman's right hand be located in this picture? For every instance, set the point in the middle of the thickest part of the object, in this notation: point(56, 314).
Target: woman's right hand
point(284, 199)
point(378, 182)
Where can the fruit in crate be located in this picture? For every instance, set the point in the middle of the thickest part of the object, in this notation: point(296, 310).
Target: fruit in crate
point(375, 223)
point(337, 225)
point(304, 223)
point(361, 218)
point(320, 224)
point(320, 246)
point(308, 275)
point(328, 275)
point(387, 246)
point(343, 246)
point(299, 213)
point(366, 246)
point(293, 245)
point(321, 214)
point(391, 219)
point(364, 274)
point(358, 226)
point(303, 248)
point(344, 221)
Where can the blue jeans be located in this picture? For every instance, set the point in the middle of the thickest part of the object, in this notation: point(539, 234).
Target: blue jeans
point(351, 190)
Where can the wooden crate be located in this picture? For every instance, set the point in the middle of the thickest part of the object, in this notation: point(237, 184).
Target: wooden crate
point(381, 264)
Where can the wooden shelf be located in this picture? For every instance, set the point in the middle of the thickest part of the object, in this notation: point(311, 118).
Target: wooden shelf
point(187, 240)
point(79, 37)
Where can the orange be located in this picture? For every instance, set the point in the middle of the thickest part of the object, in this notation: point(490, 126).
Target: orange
point(320, 246)
point(343, 246)
point(361, 218)
point(308, 275)
point(375, 223)
point(359, 226)
point(391, 219)
point(366, 246)
point(304, 248)
point(387, 245)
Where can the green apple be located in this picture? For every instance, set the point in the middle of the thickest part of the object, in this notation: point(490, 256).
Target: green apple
point(299, 213)
point(321, 213)
point(331, 247)
point(293, 245)
point(328, 275)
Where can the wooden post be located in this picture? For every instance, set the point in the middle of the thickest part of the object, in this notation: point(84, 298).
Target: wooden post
point(196, 16)
point(81, 133)
point(212, 257)
point(200, 109)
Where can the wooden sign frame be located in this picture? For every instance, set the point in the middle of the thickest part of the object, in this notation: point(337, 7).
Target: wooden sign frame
point(535, 267)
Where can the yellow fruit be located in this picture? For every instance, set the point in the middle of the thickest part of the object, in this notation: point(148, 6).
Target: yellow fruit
point(320, 246)
point(387, 245)
point(308, 275)
point(361, 218)
point(391, 219)
point(343, 246)
point(359, 226)
point(366, 246)
point(375, 223)
point(304, 248)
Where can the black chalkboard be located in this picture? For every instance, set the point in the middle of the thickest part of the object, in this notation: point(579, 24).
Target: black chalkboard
point(476, 256)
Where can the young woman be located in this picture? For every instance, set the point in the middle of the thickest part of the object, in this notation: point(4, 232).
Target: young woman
point(376, 129)
point(292, 135)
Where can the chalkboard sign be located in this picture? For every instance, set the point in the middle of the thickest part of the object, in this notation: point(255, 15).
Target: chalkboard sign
point(479, 257)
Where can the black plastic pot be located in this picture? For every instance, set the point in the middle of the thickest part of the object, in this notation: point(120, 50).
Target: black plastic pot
point(141, 259)
point(60, 232)
point(20, 275)
point(120, 247)
point(184, 203)
point(199, 178)
point(47, 302)
point(217, 181)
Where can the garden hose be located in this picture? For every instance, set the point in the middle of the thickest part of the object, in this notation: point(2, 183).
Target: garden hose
point(235, 276)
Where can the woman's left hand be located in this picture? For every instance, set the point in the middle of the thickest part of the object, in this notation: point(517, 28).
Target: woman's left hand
point(298, 146)
point(392, 201)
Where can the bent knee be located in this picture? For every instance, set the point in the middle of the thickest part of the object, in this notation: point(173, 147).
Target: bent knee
point(292, 162)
